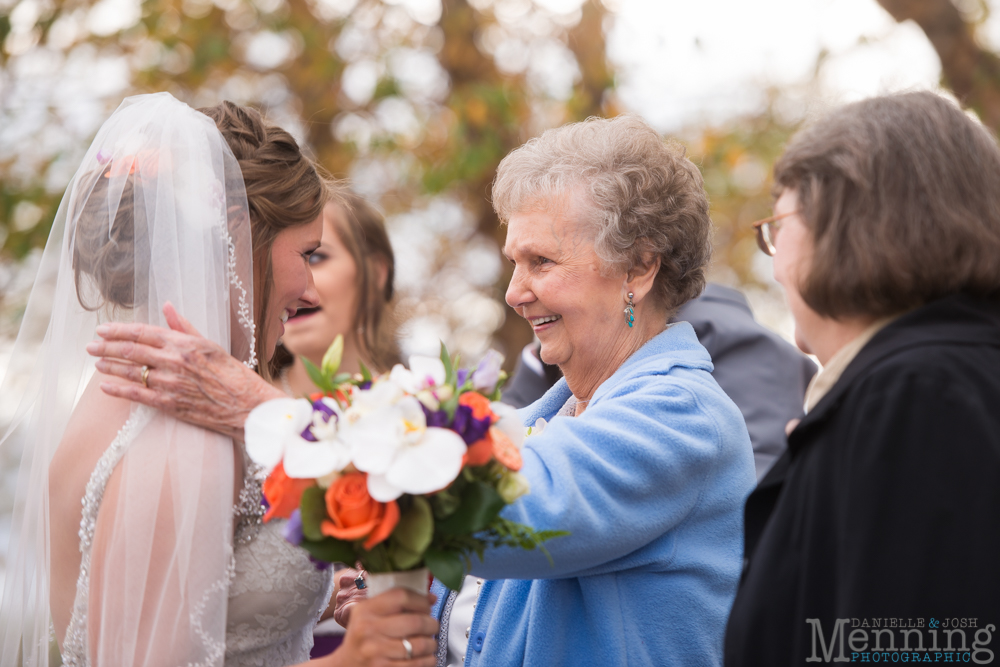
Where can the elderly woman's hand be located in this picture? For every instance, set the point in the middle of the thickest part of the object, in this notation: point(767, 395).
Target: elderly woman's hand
point(348, 595)
point(189, 377)
point(394, 628)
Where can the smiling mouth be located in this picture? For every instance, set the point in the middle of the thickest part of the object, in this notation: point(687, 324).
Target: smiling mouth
point(539, 321)
point(304, 312)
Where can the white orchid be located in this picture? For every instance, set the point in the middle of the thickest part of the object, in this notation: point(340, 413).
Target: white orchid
point(378, 397)
point(509, 423)
point(274, 434)
point(401, 454)
point(423, 373)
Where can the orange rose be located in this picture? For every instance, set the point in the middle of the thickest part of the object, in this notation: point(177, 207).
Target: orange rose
point(505, 451)
point(355, 514)
point(479, 404)
point(480, 452)
point(283, 493)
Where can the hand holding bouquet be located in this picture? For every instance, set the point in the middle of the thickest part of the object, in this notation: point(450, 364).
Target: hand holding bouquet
point(403, 471)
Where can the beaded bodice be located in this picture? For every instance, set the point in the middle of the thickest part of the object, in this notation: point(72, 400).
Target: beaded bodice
point(276, 595)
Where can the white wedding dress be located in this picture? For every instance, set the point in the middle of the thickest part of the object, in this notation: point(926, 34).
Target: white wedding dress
point(157, 212)
point(276, 594)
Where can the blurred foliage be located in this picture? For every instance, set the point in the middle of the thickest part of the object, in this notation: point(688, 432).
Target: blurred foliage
point(435, 135)
point(736, 162)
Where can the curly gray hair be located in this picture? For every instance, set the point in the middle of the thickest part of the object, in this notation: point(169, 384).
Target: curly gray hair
point(645, 197)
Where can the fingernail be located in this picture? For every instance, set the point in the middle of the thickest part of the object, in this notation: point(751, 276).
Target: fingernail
point(92, 347)
point(102, 329)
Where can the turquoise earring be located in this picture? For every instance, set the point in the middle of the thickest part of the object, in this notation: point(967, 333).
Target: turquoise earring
point(630, 311)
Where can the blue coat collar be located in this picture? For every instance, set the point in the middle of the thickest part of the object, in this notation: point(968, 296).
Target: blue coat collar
point(676, 346)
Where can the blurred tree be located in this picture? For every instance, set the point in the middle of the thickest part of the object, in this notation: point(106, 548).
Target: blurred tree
point(416, 103)
point(969, 70)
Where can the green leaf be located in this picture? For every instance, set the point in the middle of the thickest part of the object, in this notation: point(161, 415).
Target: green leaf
point(330, 550)
point(450, 406)
point(366, 375)
point(403, 558)
point(445, 503)
point(416, 526)
point(333, 356)
point(340, 378)
point(449, 368)
point(316, 375)
point(480, 504)
point(447, 566)
point(313, 509)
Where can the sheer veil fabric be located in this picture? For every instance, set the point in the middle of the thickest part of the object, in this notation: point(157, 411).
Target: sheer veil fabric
point(157, 212)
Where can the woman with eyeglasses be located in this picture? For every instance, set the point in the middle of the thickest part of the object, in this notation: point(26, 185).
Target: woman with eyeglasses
point(878, 529)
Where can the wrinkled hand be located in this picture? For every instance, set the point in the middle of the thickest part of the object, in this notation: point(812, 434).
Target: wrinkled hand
point(379, 625)
point(190, 377)
point(348, 596)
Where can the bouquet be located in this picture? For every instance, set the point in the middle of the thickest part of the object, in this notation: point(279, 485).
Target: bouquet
point(398, 472)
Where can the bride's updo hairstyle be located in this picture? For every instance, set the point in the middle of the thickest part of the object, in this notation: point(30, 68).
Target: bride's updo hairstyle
point(284, 190)
point(107, 256)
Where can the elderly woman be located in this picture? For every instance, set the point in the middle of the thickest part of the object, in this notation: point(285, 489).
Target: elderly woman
point(644, 460)
point(879, 528)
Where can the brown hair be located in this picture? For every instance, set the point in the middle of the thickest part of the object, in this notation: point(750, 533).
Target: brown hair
point(284, 190)
point(107, 254)
point(901, 195)
point(361, 229)
point(645, 197)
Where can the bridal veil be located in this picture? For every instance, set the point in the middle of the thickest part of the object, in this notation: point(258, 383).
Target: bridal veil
point(156, 212)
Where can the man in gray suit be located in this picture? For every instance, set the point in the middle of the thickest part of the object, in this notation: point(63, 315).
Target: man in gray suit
point(764, 375)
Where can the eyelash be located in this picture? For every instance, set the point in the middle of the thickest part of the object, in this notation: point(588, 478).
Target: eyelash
point(317, 254)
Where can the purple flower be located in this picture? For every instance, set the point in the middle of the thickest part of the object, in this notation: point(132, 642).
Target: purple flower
point(103, 156)
point(467, 426)
point(293, 529)
point(320, 406)
point(461, 375)
point(487, 373)
point(435, 418)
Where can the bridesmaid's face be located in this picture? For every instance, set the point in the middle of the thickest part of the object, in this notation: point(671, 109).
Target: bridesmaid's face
point(292, 282)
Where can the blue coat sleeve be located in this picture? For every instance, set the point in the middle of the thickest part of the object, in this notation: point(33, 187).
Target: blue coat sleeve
point(619, 477)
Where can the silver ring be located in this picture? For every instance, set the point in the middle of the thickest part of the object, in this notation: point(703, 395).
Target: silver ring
point(359, 582)
point(409, 648)
point(145, 377)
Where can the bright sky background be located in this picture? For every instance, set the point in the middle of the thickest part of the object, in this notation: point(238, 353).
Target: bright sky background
point(682, 63)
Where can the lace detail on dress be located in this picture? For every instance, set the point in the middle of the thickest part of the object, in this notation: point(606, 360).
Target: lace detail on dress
point(276, 594)
point(75, 651)
point(249, 512)
point(275, 600)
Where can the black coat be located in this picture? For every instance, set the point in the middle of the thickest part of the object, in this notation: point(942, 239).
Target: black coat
point(885, 510)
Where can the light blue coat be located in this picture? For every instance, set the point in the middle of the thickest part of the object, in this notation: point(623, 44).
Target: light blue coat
point(650, 480)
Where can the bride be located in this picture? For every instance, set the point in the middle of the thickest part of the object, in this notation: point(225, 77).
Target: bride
point(137, 539)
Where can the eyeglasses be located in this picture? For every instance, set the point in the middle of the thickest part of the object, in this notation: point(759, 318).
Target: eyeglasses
point(767, 232)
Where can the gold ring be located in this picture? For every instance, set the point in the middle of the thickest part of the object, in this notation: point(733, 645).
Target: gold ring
point(409, 648)
point(145, 377)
